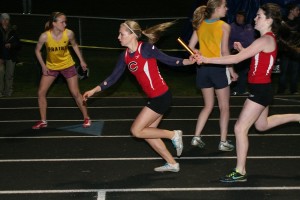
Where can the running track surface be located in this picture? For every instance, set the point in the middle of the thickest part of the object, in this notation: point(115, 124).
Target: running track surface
point(106, 162)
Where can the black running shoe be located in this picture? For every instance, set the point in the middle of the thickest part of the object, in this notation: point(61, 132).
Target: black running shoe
point(234, 176)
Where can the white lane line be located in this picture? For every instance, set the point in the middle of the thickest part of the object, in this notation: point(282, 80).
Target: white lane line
point(129, 107)
point(101, 195)
point(290, 100)
point(130, 136)
point(133, 97)
point(140, 158)
point(104, 120)
point(284, 188)
point(107, 120)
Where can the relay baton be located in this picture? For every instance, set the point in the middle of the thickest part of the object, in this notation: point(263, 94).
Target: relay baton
point(183, 44)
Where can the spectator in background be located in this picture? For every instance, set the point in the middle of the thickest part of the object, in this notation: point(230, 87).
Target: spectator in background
point(245, 34)
point(289, 62)
point(26, 6)
point(9, 47)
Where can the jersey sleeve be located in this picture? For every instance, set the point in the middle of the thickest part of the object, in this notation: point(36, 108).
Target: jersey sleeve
point(151, 51)
point(116, 74)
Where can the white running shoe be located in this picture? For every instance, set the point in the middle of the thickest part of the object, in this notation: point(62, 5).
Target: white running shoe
point(168, 168)
point(177, 141)
point(196, 141)
point(226, 146)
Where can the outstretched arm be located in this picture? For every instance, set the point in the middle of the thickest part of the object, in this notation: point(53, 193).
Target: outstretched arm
point(91, 92)
point(261, 44)
point(110, 80)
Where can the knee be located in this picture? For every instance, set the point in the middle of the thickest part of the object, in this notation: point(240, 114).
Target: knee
point(239, 128)
point(136, 132)
point(260, 127)
point(224, 108)
point(208, 108)
point(41, 93)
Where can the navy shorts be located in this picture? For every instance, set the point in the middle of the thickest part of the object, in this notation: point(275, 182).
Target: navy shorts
point(216, 76)
point(261, 93)
point(161, 103)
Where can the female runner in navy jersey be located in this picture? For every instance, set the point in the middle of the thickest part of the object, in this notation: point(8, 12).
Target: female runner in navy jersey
point(141, 60)
point(256, 107)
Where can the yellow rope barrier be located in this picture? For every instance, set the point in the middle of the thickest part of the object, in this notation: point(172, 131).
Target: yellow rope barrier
point(96, 47)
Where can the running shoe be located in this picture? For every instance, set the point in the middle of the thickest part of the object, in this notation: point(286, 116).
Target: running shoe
point(226, 146)
point(87, 123)
point(197, 142)
point(234, 176)
point(168, 168)
point(40, 124)
point(177, 142)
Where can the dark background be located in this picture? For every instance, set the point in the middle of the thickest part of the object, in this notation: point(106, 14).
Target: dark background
point(104, 8)
point(132, 8)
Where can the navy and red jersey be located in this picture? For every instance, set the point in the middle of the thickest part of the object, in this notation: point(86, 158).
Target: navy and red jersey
point(262, 65)
point(143, 65)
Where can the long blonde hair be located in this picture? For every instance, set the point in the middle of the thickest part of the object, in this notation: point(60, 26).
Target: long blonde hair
point(152, 33)
point(205, 12)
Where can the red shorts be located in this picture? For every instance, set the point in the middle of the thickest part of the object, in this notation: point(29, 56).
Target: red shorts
point(67, 73)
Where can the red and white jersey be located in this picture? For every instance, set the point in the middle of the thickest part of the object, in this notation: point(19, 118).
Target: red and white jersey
point(146, 72)
point(262, 65)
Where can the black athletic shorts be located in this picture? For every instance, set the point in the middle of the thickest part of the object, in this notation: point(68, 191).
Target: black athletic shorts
point(261, 93)
point(161, 103)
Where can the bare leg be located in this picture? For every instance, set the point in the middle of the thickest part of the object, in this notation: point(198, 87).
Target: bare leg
point(142, 126)
point(223, 96)
point(265, 123)
point(209, 100)
point(145, 126)
point(253, 113)
point(249, 114)
point(45, 83)
point(74, 89)
point(159, 146)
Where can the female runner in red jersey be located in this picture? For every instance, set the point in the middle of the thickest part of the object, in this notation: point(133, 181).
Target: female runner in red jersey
point(141, 60)
point(256, 107)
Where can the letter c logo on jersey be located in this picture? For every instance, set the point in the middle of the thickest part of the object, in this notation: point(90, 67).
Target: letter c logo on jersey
point(132, 66)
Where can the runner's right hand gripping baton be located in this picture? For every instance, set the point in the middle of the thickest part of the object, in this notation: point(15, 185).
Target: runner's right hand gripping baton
point(183, 44)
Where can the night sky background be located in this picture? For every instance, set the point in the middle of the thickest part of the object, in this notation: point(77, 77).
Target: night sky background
point(32, 25)
point(104, 8)
point(128, 9)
